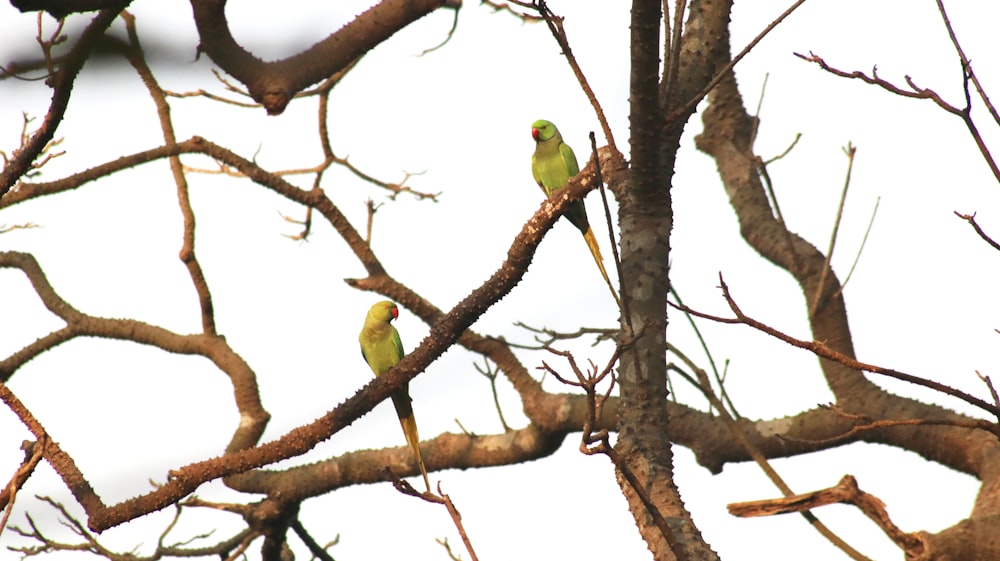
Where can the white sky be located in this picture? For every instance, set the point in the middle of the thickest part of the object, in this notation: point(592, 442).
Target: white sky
point(922, 299)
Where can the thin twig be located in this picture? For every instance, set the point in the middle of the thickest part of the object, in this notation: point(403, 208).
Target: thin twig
point(773, 197)
point(672, 65)
point(971, 219)
point(611, 232)
point(756, 114)
point(704, 347)
point(491, 375)
point(967, 64)
point(849, 151)
point(451, 33)
point(993, 390)
point(405, 488)
point(861, 248)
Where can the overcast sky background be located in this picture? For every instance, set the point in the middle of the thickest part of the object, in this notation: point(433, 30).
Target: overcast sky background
point(922, 299)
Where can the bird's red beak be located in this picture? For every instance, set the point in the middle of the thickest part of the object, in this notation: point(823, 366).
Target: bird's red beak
point(534, 133)
point(395, 313)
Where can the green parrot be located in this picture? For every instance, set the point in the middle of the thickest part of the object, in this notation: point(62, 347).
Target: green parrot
point(552, 165)
point(382, 349)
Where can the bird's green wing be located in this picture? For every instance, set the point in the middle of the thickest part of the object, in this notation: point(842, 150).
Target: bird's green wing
point(397, 344)
point(569, 160)
point(534, 173)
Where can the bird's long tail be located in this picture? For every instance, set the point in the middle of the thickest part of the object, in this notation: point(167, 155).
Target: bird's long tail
point(596, 252)
point(404, 410)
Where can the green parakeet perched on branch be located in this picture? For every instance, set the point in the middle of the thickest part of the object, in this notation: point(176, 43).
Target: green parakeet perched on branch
point(553, 164)
point(382, 349)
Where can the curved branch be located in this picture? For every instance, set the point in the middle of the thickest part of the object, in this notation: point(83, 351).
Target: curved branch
point(133, 51)
point(273, 84)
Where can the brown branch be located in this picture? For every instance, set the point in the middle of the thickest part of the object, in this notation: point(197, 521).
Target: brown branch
point(989, 385)
point(966, 63)
point(555, 25)
point(447, 451)
point(133, 52)
point(33, 453)
point(920, 93)
point(971, 219)
point(59, 460)
point(821, 349)
point(874, 79)
point(442, 499)
point(846, 492)
point(45, 155)
point(273, 84)
point(62, 86)
point(253, 416)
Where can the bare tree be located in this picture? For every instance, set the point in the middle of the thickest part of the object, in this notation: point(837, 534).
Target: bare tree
point(678, 59)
